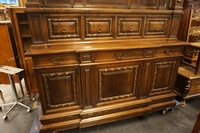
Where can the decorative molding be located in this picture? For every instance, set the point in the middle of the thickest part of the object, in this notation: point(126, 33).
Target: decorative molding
point(135, 68)
point(67, 117)
point(129, 31)
point(87, 58)
point(87, 86)
point(98, 32)
point(47, 91)
point(146, 75)
point(173, 63)
point(156, 31)
point(64, 33)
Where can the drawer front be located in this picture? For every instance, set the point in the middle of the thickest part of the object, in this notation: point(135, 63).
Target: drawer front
point(169, 51)
point(63, 27)
point(111, 56)
point(99, 27)
point(53, 60)
point(130, 26)
point(157, 26)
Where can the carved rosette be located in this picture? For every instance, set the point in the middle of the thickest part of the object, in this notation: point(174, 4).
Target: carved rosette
point(173, 63)
point(195, 31)
point(46, 78)
point(101, 71)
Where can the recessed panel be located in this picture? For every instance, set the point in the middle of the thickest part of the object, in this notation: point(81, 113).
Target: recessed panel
point(99, 27)
point(157, 26)
point(116, 83)
point(63, 28)
point(129, 26)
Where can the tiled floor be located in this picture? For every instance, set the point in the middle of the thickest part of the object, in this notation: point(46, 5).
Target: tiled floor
point(181, 120)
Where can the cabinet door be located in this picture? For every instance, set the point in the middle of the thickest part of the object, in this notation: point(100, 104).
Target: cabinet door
point(105, 84)
point(59, 89)
point(164, 76)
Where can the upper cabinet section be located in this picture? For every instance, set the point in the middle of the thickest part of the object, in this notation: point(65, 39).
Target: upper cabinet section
point(134, 4)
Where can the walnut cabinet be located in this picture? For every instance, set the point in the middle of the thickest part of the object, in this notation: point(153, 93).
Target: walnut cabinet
point(102, 61)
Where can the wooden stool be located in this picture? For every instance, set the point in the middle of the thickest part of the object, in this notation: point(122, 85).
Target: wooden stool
point(196, 127)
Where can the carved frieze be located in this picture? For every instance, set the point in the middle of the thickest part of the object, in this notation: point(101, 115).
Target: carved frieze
point(47, 78)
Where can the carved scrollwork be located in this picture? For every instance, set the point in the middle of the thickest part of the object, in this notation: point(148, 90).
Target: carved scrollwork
point(47, 89)
point(196, 15)
point(195, 31)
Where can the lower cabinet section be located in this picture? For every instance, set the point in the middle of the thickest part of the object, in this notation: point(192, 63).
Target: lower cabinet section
point(88, 94)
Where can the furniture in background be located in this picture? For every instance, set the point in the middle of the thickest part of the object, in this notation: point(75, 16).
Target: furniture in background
point(22, 36)
point(10, 71)
point(188, 79)
point(101, 61)
point(8, 52)
point(196, 127)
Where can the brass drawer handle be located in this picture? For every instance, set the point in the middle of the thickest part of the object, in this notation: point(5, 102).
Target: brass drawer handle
point(56, 62)
point(63, 31)
point(169, 52)
point(99, 30)
point(120, 57)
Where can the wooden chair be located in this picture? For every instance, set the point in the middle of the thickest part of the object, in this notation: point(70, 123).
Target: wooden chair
point(196, 127)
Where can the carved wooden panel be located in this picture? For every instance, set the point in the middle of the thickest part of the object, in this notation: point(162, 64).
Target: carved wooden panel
point(60, 89)
point(111, 79)
point(130, 26)
point(106, 3)
point(63, 27)
point(161, 82)
point(60, 3)
point(157, 26)
point(99, 27)
point(151, 4)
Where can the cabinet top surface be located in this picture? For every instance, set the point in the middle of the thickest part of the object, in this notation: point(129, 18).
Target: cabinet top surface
point(98, 46)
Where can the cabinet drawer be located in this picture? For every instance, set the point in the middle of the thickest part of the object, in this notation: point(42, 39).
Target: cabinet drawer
point(52, 60)
point(130, 26)
point(167, 51)
point(99, 27)
point(63, 27)
point(111, 56)
point(157, 26)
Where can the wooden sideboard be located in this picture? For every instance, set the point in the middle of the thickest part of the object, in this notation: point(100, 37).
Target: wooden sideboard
point(101, 61)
